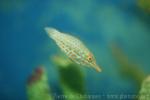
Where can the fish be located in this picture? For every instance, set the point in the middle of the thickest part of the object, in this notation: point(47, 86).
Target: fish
point(73, 48)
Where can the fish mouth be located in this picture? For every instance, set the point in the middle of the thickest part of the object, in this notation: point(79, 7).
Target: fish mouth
point(96, 67)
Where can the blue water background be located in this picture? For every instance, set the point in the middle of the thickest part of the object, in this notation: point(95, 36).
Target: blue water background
point(25, 45)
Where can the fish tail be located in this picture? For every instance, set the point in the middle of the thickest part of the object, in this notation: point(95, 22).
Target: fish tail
point(51, 31)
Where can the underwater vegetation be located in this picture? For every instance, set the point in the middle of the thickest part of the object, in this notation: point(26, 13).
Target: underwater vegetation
point(37, 85)
point(145, 5)
point(73, 48)
point(144, 93)
point(132, 71)
point(25, 45)
point(127, 68)
point(71, 78)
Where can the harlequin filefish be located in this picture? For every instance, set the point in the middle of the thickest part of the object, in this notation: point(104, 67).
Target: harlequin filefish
point(73, 48)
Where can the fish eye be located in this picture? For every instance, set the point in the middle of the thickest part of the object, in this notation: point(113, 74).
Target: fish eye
point(89, 58)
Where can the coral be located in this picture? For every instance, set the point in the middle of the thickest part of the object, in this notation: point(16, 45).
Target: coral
point(145, 90)
point(71, 78)
point(37, 85)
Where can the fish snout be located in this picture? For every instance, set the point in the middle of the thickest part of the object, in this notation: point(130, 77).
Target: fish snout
point(96, 67)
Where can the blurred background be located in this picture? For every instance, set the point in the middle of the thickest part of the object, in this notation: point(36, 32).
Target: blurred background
point(116, 31)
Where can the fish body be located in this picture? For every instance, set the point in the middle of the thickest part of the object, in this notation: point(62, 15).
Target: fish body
point(73, 48)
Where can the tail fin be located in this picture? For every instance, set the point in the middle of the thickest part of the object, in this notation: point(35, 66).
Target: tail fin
point(51, 31)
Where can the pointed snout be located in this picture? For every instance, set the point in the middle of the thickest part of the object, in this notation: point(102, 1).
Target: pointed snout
point(96, 67)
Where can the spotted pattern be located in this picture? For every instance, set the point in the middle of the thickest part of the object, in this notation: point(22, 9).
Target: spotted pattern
point(73, 48)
